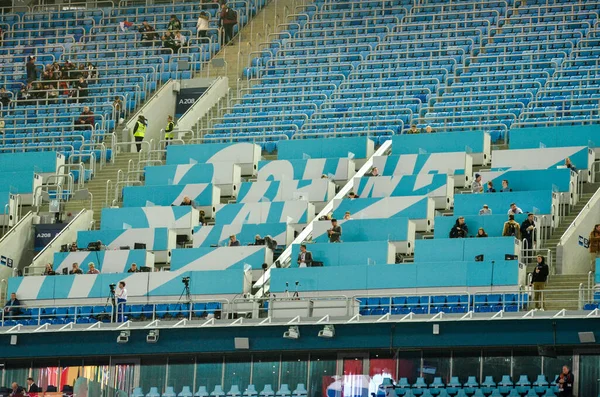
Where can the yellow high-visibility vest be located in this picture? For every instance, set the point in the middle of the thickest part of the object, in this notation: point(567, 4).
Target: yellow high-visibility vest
point(141, 129)
point(169, 130)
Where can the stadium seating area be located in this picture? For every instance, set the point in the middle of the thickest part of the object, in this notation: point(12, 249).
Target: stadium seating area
point(488, 387)
point(111, 57)
point(374, 68)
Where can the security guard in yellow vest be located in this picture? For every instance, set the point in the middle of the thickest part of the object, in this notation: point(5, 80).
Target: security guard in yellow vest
point(169, 134)
point(139, 131)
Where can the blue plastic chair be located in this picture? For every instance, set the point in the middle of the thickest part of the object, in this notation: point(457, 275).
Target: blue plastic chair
point(301, 391)
point(202, 392)
point(523, 384)
point(478, 393)
point(453, 386)
point(471, 385)
point(403, 383)
point(250, 391)
point(218, 391)
point(234, 391)
point(488, 385)
point(505, 385)
point(153, 392)
point(169, 392)
point(284, 391)
point(267, 391)
point(186, 391)
point(137, 392)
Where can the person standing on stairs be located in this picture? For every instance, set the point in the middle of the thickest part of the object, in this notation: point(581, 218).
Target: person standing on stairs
point(594, 246)
point(228, 22)
point(169, 130)
point(139, 131)
point(538, 282)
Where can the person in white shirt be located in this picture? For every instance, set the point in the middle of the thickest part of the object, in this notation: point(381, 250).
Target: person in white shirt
point(202, 25)
point(179, 39)
point(514, 210)
point(121, 300)
point(476, 186)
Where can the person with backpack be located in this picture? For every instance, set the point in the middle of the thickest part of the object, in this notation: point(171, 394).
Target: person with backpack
point(228, 21)
point(511, 228)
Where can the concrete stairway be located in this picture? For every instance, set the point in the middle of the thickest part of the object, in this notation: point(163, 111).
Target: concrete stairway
point(97, 185)
point(566, 291)
point(251, 36)
point(552, 242)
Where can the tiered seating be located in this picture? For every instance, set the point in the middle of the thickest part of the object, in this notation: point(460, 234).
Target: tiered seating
point(124, 66)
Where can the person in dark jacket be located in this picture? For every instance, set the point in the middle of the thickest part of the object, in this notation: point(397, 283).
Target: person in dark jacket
point(335, 233)
point(538, 281)
point(228, 21)
point(528, 232)
point(31, 70)
point(12, 307)
point(565, 382)
point(86, 119)
point(460, 229)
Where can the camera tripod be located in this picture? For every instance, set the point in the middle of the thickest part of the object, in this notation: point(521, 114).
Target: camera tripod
point(187, 293)
point(111, 299)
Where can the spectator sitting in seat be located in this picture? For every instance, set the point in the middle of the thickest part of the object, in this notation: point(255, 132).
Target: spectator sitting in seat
point(481, 232)
point(528, 231)
point(490, 187)
point(347, 216)
point(594, 245)
point(202, 26)
point(570, 165)
point(429, 130)
point(269, 242)
point(514, 209)
point(413, 129)
point(67, 69)
point(258, 240)
point(186, 201)
point(335, 233)
point(169, 42)
point(179, 39)
point(82, 89)
point(511, 228)
point(538, 281)
point(75, 269)
point(91, 71)
point(12, 307)
point(485, 210)
point(174, 23)
point(4, 97)
point(374, 172)
point(476, 186)
point(505, 187)
point(49, 271)
point(233, 242)
point(305, 258)
point(16, 390)
point(353, 196)
point(202, 219)
point(460, 228)
point(92, 269)
point(24, 94)
point(73, 247)
point(148, 33)
point(86, 119)
point(133, 269)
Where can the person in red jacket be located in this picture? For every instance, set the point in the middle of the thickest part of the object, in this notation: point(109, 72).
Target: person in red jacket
point(228, 21)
